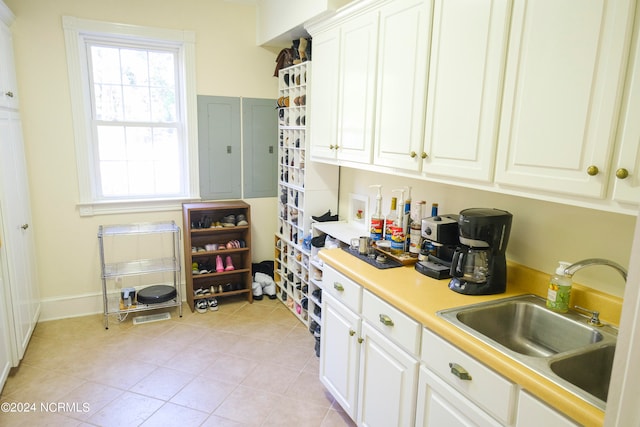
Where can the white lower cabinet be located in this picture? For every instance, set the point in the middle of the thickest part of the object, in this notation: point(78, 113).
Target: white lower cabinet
point(534, 413)
point(439, 404)
point(362, 363)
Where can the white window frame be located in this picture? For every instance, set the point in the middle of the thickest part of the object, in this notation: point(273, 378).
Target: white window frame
point(75, 32)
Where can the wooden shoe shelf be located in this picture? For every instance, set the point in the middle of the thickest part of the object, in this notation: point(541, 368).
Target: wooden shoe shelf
point(305, 189)
point(206, 238)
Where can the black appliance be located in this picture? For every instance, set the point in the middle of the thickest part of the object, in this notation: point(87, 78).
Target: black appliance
point(479, 265)
point(439, 241)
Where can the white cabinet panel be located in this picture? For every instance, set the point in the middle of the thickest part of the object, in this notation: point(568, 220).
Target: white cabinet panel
point(563, 84)
point(357, 87)
point(468, 51)
point(388, 378)
point(405, 29)
point(8, 83)
point(534, 413)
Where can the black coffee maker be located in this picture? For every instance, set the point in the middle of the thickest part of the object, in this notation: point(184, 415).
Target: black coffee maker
point(479, 265)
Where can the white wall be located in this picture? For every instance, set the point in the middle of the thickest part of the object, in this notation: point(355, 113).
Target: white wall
point(228, 64)
point(542, 233)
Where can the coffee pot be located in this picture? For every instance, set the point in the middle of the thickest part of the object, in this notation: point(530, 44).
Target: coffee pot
point(479, 265)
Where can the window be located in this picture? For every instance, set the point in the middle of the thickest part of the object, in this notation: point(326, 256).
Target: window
point(133, 98)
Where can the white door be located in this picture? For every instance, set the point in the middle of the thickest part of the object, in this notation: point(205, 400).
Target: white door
point(322, 112)
point(340, 353)
point(563, 83)
point(6, 337)
point(439, 405)
point(357, 80)
point(403, 56)
point(466, 72)
point(388, 379)
point(23, 297)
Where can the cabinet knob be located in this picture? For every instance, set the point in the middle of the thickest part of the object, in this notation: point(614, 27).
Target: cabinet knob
point(338, 286)
point(459, 372)
point(24, 226)
point(336, 147)
point(622, 173)
point(413, 154)
point(351, 332)
point(386, 320)
point(424, 155)
point(360, 340)
point(331, 147)
point(592, 170)
point(9, 94)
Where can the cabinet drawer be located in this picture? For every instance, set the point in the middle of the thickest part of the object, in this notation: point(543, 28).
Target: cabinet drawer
point(486, 388)
point(342, 288)
point(392, 322)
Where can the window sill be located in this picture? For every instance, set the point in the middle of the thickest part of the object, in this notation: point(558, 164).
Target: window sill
point(131, 206)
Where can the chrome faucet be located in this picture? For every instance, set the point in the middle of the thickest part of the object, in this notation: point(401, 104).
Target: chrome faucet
point(571, 270)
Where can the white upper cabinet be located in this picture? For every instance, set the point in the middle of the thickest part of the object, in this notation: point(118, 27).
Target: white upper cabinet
point(626, 169)
point(468, 51)
point(8, 83)
point(405, 30)
point(563, 83)
point(344, 86)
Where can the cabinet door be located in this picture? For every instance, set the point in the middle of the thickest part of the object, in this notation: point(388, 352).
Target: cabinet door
point(18, 243)
point(219, 147)
point(388, 379)
point(259, 151)
point(6, 360)
point(340, 353)
point(466, 72)
point(533, 413)
point(356, 87)
point(323, 95)
point(627, 189)
point(563, 78)
point(8, 84)
point(403, 55)
point(440, 405)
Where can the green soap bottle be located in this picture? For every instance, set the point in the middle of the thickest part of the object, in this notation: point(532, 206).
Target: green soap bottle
point(559, 290)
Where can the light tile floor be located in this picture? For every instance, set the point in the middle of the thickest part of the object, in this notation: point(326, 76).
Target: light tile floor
point(243, 365)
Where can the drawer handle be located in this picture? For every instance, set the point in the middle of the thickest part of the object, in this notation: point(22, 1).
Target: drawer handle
point(459, 372)
point(338, 286)
point(386, 320)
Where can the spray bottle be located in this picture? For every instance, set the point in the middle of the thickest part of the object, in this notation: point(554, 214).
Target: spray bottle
point(377, 220)
point(398, 230)
point(407, 221)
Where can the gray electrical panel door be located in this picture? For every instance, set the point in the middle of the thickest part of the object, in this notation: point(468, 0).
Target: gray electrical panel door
point(219, 147)
point(260, 150)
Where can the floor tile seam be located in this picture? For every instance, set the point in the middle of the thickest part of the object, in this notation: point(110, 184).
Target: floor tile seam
point(173, 395)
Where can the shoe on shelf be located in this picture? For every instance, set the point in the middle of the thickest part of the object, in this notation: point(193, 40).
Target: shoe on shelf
point(325, 217)
point(212, 303)
point(202, 306)
point(229, 264)
point(242, 220)
point(219, 265)
point(229, 221)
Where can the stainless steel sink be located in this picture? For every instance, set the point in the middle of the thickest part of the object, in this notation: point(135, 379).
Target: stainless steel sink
point(524, 326)
point(562, 347)
point(591, 370)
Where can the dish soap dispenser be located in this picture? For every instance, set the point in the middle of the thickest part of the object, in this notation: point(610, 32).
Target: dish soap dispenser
point(559, 290)
point(377, 220)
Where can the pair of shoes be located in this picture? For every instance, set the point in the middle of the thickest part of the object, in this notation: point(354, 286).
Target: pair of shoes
point(211, 247)
point(263, 284)
point(221, 267)
point(229, 221)
point(235, 244)
point(212, 303)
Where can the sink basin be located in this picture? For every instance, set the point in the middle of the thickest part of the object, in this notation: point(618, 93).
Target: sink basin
point(528, 328)
point(561, 347)
point(591, 370)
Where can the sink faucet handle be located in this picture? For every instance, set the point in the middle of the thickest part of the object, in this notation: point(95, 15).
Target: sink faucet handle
point(595, 315)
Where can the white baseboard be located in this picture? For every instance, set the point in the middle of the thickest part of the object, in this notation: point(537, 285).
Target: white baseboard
point(74, 306)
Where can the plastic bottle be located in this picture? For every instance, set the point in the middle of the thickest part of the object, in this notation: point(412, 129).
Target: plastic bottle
point(392, 218)
point(415, 234)
point(398, 230)
point(377, 220)
point(407, 220)
point(559, 290)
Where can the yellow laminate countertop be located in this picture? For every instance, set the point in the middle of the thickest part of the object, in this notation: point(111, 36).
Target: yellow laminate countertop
point(421, 297)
